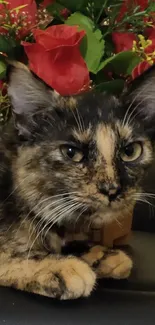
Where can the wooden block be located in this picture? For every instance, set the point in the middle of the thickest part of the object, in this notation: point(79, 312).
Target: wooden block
point(122, 241)
point(115, 233)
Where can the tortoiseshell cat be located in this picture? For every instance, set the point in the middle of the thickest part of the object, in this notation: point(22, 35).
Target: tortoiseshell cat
point(67, 163)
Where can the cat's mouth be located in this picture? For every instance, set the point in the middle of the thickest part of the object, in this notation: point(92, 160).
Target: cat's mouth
point(101, 209)
point(94, 209)
point(101, 213)
point(96, 204)
point(104, 203)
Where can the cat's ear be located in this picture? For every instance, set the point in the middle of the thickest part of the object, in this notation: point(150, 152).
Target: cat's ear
point(28, 95)
point(140, 98)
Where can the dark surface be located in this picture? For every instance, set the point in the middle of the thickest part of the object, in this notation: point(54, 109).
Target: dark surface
point(109, 308)
point(124, 302)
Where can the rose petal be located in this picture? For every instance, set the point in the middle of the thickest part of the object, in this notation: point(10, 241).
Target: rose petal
point(58, 36)
point(3, 88)
point(123, 41)
point(62, 69)
point(139, 69)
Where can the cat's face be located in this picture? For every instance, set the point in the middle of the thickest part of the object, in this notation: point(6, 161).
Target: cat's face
point(84, 157)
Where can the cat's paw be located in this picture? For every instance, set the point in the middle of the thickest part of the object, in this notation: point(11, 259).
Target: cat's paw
point(66, 278)
point(116, 264)
point(78, 277)
point(109, 263)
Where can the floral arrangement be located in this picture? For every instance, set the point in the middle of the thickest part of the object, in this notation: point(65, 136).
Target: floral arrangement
point(74, 46)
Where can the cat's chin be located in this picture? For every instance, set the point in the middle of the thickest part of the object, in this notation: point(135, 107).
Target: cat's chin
point(103, 218)
point(107, 215)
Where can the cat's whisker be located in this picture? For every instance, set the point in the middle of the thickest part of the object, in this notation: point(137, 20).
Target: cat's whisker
point(133, 101)
point(14, 190)
point(39, 214)
point(90, 224)
point(142, 197)
point(143, 200)
point(152, 195)
point(48, 207)
point(64, 212)
point(130, 118)
point(53, 220)
point(60, 216)
point(77, 122)
point(79, 215)
point(80, 120)
point(50, 199)
point(118, 222)
point(66, 202)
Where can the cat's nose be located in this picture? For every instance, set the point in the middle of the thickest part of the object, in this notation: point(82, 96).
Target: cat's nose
point(110, 190)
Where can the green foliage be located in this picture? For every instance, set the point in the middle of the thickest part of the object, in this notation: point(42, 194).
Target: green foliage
point(92, 46)
point(10, 47)
point(74, 5)
point(113, 86)
point(6, 44)
point(2, 69)
point(121, 63)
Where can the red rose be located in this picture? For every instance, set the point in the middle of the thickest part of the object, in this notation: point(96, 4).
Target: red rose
point(139, 69)
point(123, 41)
point(25, 18)
point(150, 32)
point(3, 89)
point(127, 4)
point(151, 36)
point(56, 58)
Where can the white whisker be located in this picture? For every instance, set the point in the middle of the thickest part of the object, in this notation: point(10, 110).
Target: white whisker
point(53, 220)
point(130, 106)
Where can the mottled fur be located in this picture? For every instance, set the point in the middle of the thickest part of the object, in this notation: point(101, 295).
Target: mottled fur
point(47, 199)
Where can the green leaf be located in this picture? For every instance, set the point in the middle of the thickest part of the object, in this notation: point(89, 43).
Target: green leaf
point(113, 87)
point(151, 7)
point(2, 69)
point(121, 63)
point(6, 44)
point(12, 48)
point(92, 45)
point(104, 63)
point(81, 5)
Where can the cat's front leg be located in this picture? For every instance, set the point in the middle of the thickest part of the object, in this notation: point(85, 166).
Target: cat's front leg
point(109, 263)
point(53, 276)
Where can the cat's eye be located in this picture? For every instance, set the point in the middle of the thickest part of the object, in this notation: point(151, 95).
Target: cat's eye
point(131, 152)
point(72, 153)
